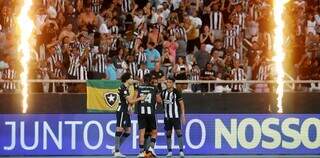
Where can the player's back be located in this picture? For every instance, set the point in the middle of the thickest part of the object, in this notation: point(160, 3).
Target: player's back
point(147, 106)
point(123, 92)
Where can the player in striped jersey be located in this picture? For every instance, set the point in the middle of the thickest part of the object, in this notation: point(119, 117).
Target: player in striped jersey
point(237, 74)
point(146, 113)
point(174, 114)
point(123, 125)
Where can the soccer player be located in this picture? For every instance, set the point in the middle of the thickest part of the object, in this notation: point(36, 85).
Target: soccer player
point(174, 114)
point(123, 127)
point(146, 114)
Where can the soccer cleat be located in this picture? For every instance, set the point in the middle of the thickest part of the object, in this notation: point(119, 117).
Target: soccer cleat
point(169, 154)
point(141, 155)
point(118, 155)
point(181, 154)
point(152, 151)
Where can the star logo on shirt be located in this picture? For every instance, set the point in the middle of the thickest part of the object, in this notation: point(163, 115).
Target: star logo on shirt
point(110, 98)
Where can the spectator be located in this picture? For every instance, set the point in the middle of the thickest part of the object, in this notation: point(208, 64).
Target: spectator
point(181, 72)
point(216, 61)
point(152, 55)
point(78, 37)
point(119, 63)
point(195, 76)
point(142, 71)
point(9, 74)
point(167, 60)
point(207, 74)
point(206, 37)
point(202, 57)
point(264, 74)
point(159, 75)
point(237, 74)
point(111, 71)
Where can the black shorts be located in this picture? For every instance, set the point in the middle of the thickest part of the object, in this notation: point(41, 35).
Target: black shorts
point(123, 119)
point(147, 122)
point(170, 123)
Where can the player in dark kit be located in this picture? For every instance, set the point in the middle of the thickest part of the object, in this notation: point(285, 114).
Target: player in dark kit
point(174, 114)
point(146, 110)
point(123, 113)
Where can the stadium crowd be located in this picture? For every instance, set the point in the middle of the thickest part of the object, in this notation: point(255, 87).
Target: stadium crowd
point(187, 39)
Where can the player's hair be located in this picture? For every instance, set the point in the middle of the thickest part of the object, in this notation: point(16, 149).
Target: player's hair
point(125, 77)
point(172, 79)
point(147, 78)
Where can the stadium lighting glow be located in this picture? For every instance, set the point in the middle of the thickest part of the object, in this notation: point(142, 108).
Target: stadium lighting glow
point(25, 25)
point(278, 10)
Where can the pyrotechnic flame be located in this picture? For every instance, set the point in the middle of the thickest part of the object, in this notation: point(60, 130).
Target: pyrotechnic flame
point(25, 30)
point(278, 10)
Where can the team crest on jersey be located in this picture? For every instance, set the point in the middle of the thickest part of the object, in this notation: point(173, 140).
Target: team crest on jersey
point(111, 98)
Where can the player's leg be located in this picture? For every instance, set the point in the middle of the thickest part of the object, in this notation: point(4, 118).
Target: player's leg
point(119, 132)
point(142, 127)
point(147, 137)
point(152, 123)
point(177, 128)
point(141, 142)
point(168, 128)
point(127, 129)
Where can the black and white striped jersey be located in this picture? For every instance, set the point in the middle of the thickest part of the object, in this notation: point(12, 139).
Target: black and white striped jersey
point(178, 31)
point(263, 72)
point(238, 74)
point(148, 105)
point(142, 72)
point(126, 6)
point(171, 103)
point(141, 57)
point(9, 74)
point(133, 69)
point(230, 38)
point(96, 6)
point(101, 62)
point(74, 64)
point(216, 20)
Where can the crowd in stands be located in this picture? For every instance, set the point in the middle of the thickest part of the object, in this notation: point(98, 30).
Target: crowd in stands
point(187, 39)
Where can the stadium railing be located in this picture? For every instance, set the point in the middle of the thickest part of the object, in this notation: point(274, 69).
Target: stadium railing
point(289, 84)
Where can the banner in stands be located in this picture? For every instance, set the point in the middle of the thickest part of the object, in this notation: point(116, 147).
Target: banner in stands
point(93, 134)
point(102, 95)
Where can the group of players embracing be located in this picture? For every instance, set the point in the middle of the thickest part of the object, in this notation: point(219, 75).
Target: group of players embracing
point(147, 100)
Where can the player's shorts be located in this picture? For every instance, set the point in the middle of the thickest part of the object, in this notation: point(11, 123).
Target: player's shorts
point(170, 123)
point(147, 122)
point(123, 119)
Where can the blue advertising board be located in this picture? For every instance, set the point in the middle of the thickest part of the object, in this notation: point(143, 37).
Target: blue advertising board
point(93, 134)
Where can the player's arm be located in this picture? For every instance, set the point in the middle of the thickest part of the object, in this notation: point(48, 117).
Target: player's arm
point(158, 99)
point(134, 99)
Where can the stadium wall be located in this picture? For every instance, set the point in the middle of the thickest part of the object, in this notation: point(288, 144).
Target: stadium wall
point(199, 103)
